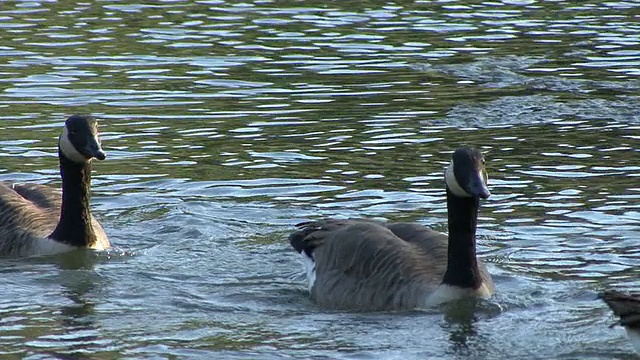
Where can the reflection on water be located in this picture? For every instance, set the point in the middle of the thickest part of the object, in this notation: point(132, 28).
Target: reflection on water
point(226, 123)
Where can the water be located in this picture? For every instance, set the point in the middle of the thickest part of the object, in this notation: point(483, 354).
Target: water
point(226, 123)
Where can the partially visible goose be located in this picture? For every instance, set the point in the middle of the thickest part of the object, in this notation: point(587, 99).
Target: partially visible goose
point(366, 265)
point(38, 220)
point(627, 307)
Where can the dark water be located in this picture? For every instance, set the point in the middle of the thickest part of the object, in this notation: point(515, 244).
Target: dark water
point(226, 123)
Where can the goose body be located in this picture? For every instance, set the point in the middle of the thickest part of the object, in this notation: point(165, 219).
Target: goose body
point(627, 308)
point(41, 220)
point(361, 264)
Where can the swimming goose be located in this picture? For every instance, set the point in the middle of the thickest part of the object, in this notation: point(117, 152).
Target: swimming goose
point(358, 264)
point(627, 307)
point(38, 220)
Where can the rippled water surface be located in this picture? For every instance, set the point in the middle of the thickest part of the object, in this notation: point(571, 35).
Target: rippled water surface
point(225, 123)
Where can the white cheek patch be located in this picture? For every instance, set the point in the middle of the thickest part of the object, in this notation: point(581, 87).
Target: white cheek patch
point(67, 148)
point(452, 183)
point(454, 186)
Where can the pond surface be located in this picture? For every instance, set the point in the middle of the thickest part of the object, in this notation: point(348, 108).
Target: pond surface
point(226, 123)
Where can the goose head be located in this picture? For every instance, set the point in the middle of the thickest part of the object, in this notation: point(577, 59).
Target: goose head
point(466, 175)
point(79, 141)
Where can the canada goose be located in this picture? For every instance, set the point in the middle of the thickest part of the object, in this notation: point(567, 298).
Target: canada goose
point(627, 307)
point(36, 220)
point(367, 265)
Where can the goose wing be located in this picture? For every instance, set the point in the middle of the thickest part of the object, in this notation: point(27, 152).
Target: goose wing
point(42, 196)
point(362, 264)
point(26, 213)
point(28, 206)
point(433, 243)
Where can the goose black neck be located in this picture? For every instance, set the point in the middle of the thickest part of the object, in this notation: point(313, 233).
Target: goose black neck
point(74, 227)
point(462, 264)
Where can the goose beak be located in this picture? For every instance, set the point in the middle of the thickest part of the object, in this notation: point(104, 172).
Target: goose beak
point(100, 155)
point(94, 150)
point(478, 187)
